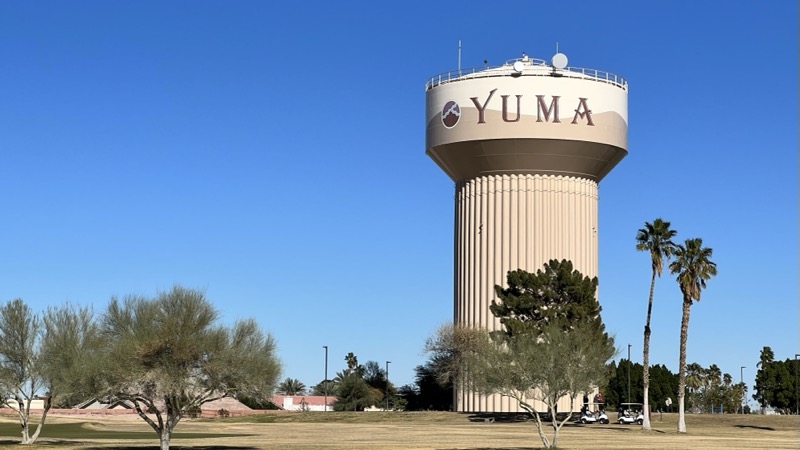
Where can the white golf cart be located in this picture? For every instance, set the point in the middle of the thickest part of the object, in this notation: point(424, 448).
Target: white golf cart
point(594, 413)
point(630, 413)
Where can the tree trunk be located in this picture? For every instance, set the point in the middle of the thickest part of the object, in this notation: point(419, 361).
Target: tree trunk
point(26, 439)
point(687, 303)
point(164, 438)
point(646, 357)
point(538, 420)
point(24, 420)
point(174, 415)
point(38, 431)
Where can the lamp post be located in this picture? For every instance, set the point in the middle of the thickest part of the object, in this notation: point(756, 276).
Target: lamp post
point(741, 379)
point(387, 385)
point(629, 373)
point(796, 401)
point(325, 380)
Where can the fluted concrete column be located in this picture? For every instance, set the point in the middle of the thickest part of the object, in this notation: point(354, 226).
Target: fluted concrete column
point(509, 222)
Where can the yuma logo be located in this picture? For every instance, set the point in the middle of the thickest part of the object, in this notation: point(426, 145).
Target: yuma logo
point(544, 112)
point(451, 114)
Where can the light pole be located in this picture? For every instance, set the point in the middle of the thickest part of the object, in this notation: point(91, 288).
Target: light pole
point(629, 373)
point(796, 402)
point(325, 381)
point(741, 379)
point(387, 385)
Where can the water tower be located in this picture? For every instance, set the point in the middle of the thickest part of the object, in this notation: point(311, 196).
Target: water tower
point(526, 144)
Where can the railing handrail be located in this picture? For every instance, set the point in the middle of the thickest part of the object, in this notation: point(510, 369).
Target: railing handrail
point(488, 71)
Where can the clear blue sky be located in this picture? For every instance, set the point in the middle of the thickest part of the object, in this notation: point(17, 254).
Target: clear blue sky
point(274, 157)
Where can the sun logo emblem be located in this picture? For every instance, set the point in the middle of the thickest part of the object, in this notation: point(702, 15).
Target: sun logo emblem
point(451, 114)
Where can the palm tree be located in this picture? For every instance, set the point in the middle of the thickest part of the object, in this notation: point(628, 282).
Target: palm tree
point(655, 238)
point(695, 376)
point(292, 386)
point(352, 362)
point(693, 267)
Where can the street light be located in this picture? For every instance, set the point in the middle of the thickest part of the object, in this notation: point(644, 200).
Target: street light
point(629, 373)
point(796, 407)
point(325, 380)
point(741, 379)
point(387, 385)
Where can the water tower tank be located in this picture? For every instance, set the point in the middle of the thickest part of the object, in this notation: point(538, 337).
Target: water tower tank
point(526, 144)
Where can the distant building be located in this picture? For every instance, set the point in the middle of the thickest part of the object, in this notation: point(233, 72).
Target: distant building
point(303, 402)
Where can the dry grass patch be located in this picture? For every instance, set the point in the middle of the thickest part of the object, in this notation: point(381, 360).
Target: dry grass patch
point(437, 431)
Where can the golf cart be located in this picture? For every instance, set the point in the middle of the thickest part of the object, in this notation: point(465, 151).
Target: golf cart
point(593, 413)
point(630, 413)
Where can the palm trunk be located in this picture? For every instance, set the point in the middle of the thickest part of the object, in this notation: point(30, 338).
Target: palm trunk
point(687, 303)
point(646, 357)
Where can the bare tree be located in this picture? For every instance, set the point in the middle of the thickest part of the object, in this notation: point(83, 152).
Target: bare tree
point(168, 357)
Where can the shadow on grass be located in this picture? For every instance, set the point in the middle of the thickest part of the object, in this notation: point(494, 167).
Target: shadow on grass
point(81, 431)
point(499, 417)
point(500, 448)
point(613, 427)
point(756, 427)
point(175, 447)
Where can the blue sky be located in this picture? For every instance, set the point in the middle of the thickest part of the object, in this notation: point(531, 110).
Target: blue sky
point(273, 156)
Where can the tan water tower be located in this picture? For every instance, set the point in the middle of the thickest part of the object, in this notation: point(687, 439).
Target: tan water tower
point(526, 144)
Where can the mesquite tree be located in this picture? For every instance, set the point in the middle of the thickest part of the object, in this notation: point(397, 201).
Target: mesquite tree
point(553, 344)
point(43, 359)
point(20, 375)
point(167, 356)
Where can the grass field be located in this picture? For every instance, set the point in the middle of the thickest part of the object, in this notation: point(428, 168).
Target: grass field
point(406, 431)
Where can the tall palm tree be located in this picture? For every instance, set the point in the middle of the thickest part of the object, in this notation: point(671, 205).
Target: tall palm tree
point(352, 361)
point(693, 267)
point(655, 238)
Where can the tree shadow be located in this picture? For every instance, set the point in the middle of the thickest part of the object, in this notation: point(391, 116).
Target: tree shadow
point(614, 427)
point(756, 427)
point(175, 447)
point(499, 417)
point(499, 448)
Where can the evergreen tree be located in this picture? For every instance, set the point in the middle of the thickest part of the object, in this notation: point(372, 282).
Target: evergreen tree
point(558, 293)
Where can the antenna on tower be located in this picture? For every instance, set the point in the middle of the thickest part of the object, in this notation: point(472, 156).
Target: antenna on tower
point(459, 57)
